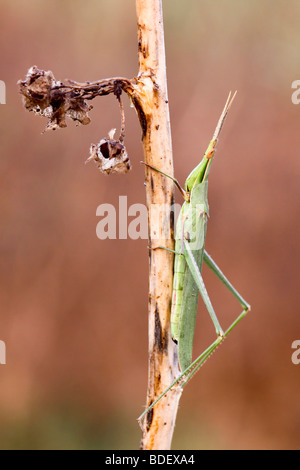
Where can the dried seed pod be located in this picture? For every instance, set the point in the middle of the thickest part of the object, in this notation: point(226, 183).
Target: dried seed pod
point(110, 155)
point(36, 89)
point(47, 97)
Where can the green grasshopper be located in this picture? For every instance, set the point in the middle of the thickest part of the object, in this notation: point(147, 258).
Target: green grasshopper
point(189, 256)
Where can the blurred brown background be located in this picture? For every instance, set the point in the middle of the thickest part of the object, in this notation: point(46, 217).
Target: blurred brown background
point(74, 308)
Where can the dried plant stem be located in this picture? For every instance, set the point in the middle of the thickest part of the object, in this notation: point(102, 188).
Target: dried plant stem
point(152, 84)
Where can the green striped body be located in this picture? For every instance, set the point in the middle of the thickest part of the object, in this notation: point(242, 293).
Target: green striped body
point(180, 268)
point(191, 225)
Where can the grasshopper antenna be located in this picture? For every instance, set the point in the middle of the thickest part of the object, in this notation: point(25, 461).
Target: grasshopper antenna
point(223, 115)
point(175, 181)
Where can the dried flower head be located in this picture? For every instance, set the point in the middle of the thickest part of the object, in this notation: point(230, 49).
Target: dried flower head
point(47, 97)
point(110, 155)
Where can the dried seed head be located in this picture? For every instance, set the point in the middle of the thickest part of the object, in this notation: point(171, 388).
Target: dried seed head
point(47, 97)
point(36, 89)
point(110, 155)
